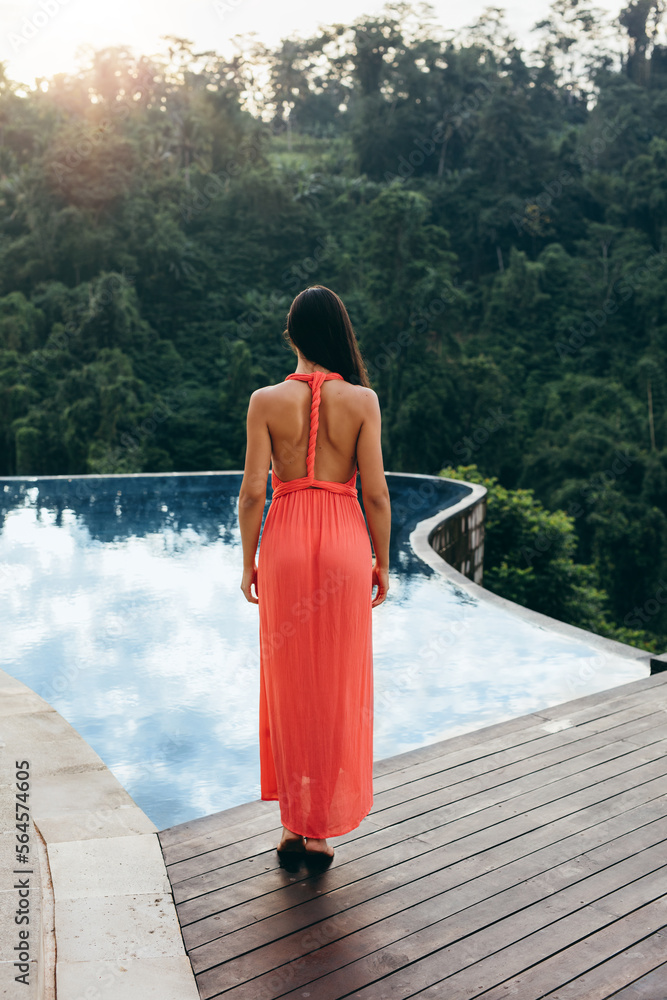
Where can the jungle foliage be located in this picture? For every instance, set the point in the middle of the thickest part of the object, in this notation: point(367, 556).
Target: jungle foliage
point(494, 220)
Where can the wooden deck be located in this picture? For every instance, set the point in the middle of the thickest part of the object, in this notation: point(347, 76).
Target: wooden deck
point(524, 860)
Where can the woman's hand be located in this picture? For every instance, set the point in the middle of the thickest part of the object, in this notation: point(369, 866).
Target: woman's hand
point(250, 577)
point(381, 578)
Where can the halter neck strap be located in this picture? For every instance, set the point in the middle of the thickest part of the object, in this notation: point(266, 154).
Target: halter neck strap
point(279, 488)
point(316, 379)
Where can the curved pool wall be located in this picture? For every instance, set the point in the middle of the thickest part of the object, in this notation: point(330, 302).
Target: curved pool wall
point(121, 607)
point(450, 542)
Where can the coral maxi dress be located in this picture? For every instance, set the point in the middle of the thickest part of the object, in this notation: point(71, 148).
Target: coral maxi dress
point(314, 590)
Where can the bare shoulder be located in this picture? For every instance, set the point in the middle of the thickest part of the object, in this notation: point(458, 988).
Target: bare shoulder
point(369, 398)
point(361, 399)
point(357, 395)
point(259, 397)
point(266, 393)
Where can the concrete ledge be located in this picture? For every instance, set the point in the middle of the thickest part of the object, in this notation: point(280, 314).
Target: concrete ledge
point(421, 539)
point(102, 919)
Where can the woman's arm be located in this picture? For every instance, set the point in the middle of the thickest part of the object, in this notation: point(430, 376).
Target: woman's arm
point(375, 493)
point(252, 495)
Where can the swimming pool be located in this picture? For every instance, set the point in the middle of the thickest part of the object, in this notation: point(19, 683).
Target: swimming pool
point(121, 606)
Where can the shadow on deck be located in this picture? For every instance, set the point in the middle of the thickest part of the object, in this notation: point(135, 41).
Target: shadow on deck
point(524, 860)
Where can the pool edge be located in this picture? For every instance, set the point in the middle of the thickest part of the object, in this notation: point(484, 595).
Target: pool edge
point(420, 540)
point(93, 851)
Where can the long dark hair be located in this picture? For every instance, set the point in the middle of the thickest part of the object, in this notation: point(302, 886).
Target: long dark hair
point(318, 324)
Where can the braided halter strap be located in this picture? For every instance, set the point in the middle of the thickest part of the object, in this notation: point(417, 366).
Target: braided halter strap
point(305, 482)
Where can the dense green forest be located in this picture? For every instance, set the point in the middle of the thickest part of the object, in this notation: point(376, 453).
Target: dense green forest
point(494, 220)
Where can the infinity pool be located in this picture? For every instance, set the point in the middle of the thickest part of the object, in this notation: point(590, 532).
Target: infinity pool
point(121, 606)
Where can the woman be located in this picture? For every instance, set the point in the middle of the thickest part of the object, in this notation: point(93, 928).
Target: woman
point(315, 576)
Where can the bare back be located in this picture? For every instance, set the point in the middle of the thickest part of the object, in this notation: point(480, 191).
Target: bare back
point(288, 418)
point(348, 435)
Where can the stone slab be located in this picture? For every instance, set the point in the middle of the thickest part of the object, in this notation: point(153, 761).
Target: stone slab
point(10, 685)
point(117, 928)
point(22, 703)
point(118, 821)
point(108, 866)
point(139, 979)
point(55, 796)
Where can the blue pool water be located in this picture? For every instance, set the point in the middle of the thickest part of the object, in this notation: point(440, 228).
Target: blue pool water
point(120, 604)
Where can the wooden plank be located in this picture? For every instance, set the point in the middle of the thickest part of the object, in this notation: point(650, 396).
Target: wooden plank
point(498, 867)
point(230, 838)
point(458, 840)
point(589, 826)
point(605, 844)
point(216, 822)
point(620, 970)
point(375, 923)
point(472, 961)
point(565, 752)
point(594, 714)
point(444, 806)
point(633, 933)
point(627, 694)
point(653, 985)
point(500, 784)
point(222, 878)
point(201, 833)
point(620, 725)
point(501, 849)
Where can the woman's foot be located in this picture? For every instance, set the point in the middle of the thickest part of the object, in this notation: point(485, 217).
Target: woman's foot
point(291, 851)
point(319, 854)
point(314, 846)
point(290, 841)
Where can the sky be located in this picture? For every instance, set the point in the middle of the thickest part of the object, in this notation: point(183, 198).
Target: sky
point(41, 37)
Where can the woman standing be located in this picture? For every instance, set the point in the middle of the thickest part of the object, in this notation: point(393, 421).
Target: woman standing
point(314, 577)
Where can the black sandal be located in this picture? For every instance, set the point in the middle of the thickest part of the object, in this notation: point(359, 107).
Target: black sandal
point(290, 857)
